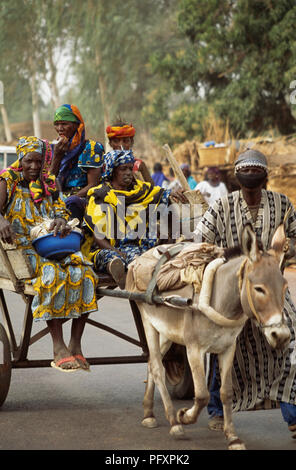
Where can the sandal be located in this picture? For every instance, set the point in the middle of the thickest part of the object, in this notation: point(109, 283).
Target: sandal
point(85, 365)
point(57, 364)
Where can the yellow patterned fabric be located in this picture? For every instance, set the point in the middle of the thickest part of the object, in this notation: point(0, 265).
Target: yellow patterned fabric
point(45, 184)
point(117, 215)
point(65, 288)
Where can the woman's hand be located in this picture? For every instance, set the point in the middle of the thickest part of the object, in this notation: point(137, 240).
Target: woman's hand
point(59, 225)
point(61, 147)
point(7, 234)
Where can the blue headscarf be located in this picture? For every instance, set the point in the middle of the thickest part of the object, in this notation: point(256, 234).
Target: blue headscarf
point(115, 158)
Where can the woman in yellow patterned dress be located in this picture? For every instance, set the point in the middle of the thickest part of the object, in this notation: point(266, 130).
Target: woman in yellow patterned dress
point(64, 288)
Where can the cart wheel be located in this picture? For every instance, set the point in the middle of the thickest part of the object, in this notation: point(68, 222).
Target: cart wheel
point(178, 374)
point(5, 365)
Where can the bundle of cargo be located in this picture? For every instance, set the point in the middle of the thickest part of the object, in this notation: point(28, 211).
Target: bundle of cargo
point(215, 155)
point(201, 155)
point(281, 156)
point(187, 152)
point(278, 151)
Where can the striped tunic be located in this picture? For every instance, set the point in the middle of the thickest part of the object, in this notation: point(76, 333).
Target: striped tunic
point(261, 375)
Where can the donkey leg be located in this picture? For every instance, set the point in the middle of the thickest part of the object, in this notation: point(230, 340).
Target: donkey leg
point(149, 420)
point(157, 372)
point(201, 394)
point(226, 394)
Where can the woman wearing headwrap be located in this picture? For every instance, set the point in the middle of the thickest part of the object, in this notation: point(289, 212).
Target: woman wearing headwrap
point(117, 215)
point(65, 288)
point(121, 135)
point(77, 161)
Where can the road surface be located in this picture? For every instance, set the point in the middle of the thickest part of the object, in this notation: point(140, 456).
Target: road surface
point(102, 410)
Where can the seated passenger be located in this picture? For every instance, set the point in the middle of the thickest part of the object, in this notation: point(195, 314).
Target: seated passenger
point(117, 215)
point(65, 288)
point(121, 135)
point(76, 161)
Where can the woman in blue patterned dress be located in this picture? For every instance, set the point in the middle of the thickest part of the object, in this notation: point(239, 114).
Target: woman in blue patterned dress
point(65, 288)
point(76, 161)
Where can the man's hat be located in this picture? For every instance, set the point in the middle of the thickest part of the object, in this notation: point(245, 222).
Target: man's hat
point(250, 158)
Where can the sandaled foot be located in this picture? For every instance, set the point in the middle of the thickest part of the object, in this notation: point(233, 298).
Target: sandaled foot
point(292, 428)
point(66, 364)
point(216, 423)
point(84, 365)
point(117, 270)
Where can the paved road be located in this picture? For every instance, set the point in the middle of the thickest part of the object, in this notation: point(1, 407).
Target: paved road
point(102, 410)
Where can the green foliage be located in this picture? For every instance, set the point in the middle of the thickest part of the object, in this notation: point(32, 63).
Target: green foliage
point(240, 60)
point(164, 65)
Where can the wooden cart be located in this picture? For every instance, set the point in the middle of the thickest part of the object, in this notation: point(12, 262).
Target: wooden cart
point(14, 267)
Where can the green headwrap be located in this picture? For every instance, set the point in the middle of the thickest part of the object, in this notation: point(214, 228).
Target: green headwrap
point(65, 113)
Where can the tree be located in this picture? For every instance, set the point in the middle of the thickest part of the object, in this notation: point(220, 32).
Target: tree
point(239, 60)
point(115, 41)
point(33, 33)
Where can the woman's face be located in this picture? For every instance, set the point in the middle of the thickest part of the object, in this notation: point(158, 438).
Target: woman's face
point(123, 176)
point(32, 164)
point(66, 128)
point(120, 143)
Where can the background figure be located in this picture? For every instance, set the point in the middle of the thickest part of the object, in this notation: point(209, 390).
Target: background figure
point(212, 187)
point(158, 176)
point(173, 181)
point(76, 161)
point(187, 173)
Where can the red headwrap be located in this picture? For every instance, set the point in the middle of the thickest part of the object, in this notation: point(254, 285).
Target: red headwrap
point(114, 132)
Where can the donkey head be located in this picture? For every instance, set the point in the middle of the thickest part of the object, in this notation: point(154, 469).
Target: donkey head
point(263, 288)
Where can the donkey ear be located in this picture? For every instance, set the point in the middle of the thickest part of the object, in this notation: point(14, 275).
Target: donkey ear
point(278, 244)
point(279, 240)
point(249, 244)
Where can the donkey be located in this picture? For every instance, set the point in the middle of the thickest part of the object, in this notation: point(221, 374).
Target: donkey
point(246, 286)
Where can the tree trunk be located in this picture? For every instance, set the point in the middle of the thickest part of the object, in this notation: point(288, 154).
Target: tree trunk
point(103, 94)
point(7, 131)
point(35, 108)
point(55, 96)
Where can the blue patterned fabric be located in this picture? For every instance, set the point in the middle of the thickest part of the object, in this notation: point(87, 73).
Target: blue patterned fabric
point(90, 156)
point(103, 257)
point(115, 158)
